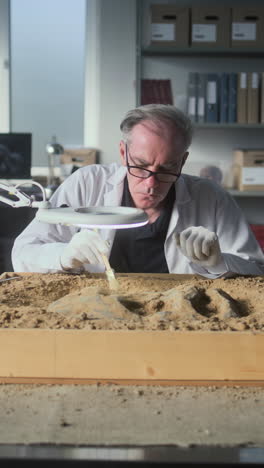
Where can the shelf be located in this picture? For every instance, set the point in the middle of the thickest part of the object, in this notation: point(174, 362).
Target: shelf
point(219, 125)
point(192, 51)
point(238, 193)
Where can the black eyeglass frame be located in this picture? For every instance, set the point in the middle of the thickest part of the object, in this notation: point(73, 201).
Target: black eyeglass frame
point(150, 173)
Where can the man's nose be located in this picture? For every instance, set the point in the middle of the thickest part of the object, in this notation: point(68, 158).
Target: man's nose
point(151, 181)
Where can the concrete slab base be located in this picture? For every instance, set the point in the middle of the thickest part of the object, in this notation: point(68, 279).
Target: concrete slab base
point(113, 415)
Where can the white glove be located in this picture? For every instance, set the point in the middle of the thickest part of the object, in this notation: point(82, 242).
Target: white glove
point(200, 245)
point(85, 247)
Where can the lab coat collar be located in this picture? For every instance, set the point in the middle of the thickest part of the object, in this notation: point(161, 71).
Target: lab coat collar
point(182, 193)
point(113, 195)
point(118, 176)
point(182, 196)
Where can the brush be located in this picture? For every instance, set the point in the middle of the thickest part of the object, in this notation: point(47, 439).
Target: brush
point(113, 283)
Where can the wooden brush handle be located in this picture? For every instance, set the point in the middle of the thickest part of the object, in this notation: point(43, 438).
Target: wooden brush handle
point(106, 262)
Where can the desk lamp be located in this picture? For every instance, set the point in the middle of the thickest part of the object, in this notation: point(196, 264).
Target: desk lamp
point(93, 217)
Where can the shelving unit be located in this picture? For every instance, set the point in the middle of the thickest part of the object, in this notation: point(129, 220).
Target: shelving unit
point(230, 126)
point(249, 194)
point(189, 51)
point(213, 143)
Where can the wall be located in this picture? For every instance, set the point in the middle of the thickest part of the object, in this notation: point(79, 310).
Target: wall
point(4, 66)
point(110, 72)
point(47, 72)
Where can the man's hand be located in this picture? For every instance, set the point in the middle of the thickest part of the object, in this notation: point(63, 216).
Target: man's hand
point(84, 247)
point(200, 245)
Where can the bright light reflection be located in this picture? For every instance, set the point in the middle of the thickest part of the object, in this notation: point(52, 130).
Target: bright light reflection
point(111, 226)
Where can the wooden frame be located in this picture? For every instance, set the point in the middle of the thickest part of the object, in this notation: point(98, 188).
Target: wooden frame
point(132, 357)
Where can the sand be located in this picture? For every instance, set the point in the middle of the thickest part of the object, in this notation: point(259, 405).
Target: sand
point(143, 302)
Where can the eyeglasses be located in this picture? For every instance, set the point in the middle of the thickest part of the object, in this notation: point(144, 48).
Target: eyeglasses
point(142, 173)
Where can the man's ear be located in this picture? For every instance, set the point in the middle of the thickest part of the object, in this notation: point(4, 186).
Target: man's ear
point(122, 152)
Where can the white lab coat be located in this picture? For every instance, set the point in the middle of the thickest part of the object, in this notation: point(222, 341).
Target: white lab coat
point(199, 202)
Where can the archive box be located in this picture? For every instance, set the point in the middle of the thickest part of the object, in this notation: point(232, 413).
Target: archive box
point(247, 27)
point(249, 169)
point(169, 25)
point(210, 27)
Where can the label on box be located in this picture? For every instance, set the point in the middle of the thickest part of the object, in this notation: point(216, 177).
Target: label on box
point(252, 175)
point(244, 31)
point(204, 33)
point(163, 32)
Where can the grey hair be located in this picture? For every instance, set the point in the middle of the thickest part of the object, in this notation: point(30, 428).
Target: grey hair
point(160, 114)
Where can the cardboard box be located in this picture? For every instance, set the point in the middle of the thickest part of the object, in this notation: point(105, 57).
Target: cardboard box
point(79, 156)
point(74, 158)
point(169, 25)
point(210, 27)
point(249, 169)
point(247, 27)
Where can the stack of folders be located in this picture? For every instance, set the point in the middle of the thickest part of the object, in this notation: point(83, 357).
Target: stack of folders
point(226, 97)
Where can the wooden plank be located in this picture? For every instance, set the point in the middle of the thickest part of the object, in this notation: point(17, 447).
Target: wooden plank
point(175, 383)
point(27, 352)
point(160, 355)
point(132, 356)
point(161, 276)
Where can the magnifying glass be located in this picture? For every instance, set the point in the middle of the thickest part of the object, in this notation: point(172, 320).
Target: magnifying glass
point(103, 217)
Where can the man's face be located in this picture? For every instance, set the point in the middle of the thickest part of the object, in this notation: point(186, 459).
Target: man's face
point(156, 150)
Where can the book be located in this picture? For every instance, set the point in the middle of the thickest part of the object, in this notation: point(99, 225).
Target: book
point(223, 97)
point(262, 98)
point(156, 91)
point(253, 94)
point(232, 98)
point(165, 92)
point(242, 99)
point(145, 92)
point(192, 96)
point(201, 97)
point(211, 108)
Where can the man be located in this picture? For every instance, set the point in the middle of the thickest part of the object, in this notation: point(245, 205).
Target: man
point(194, 225)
